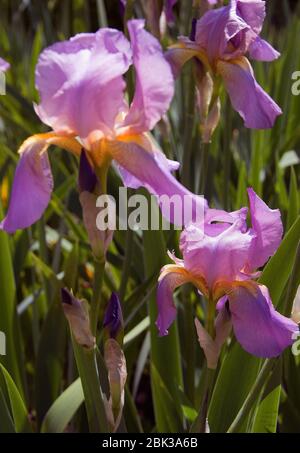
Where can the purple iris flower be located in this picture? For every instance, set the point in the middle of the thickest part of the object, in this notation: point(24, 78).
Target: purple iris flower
point(223, 38)
point(81, 87)
point(222, 262)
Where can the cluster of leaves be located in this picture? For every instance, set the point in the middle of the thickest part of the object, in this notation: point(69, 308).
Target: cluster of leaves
point(39, 385)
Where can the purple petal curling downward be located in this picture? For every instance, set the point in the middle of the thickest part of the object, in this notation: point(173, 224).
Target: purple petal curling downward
point(258, 327)
point(255, 106)
point(32, 187)
point(166, 307)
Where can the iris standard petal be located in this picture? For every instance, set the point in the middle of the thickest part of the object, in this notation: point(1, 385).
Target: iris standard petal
point(151, 170)
point(217, 220)
point(154, 80)
point(268, 229)
point(261, 50)
point(217, 258)
point(253, 12)
point(80, 82)
point(168, 282)
point(258, 327)
point(255, 106)
point(216, 30)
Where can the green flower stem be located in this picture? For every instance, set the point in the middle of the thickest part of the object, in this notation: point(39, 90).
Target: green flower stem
point(99, 261)
point(261, 380)
point(210, 319)
point(203, 167)
point(99, 265)
point(199, 425)
point(188, 129)
point(127, 263)
point(93, 396)
point(227, 156)
point(129, 11)
point(293, 284)
point(190, 346)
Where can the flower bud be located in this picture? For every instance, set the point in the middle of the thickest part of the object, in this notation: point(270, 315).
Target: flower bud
point(205, 88)
point(211, 121)
point(89, 191)
point(113, 320)
point(87, 178)
point(117, 374)
point(76, 312)
point(212, 347)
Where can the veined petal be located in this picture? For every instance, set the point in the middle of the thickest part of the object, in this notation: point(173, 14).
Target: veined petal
point(216, 258)
point(253, 13)
point(261, 50)
point(258, 327)
point(268, 229)
point(80, 82)
point(32, 186)
point(154, 80)
point(255, 106)
point(168, 282)
point(152, 171)
point(217, 220)
point(33, 182)
point(222, 33)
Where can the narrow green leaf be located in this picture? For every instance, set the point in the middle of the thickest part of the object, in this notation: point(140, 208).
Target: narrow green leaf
point(169, 370)
point(293, 209)
point(165, 403)
point(63, 409)
point(16, 403)
point(50, 358)
point(9, 323)
point(266, 416)
point(235, 379)
point(93, 395)
point(6, 425)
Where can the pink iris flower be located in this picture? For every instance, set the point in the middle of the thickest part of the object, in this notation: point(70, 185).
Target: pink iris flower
point(222, 39)
point(81, 87)
point(222, 262)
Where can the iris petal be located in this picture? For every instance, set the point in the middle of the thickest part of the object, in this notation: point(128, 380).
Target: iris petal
point(258, 327)
point(254, 105)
